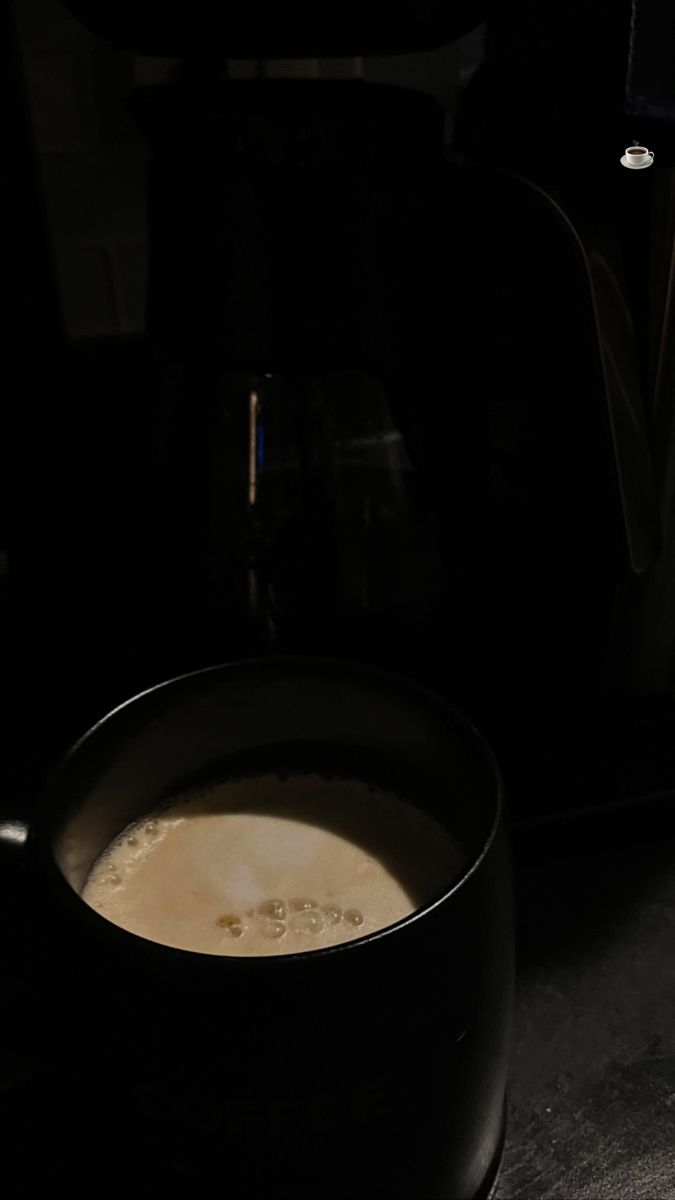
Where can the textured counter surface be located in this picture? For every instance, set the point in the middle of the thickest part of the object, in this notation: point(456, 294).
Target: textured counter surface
point(592, 1092)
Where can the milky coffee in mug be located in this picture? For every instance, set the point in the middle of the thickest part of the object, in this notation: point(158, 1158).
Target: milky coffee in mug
point(273, 864)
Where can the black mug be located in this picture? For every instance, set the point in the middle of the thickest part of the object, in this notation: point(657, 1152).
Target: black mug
point(375, 1067)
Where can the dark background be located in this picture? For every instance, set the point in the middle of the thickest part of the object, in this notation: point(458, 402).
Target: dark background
point(556, 631)
point(559, 269)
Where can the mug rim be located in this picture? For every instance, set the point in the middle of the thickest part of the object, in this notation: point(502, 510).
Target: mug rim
point(280, 666)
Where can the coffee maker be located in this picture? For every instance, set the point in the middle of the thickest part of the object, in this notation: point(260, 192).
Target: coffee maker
point(302, 328)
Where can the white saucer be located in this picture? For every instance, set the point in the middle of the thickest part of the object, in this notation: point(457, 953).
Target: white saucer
point(626, 162)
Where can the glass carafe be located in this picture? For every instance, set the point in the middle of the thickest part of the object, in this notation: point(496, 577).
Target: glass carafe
point(287, 518)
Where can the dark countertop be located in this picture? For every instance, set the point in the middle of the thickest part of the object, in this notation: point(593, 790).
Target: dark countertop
point(592, 1085)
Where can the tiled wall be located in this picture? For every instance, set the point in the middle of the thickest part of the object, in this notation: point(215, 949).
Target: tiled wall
point(92, 161)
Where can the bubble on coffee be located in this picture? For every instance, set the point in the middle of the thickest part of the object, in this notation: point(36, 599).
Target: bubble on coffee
point(332, 913)
point(272, 908)
point(307, 922)
point(352, 916)
point(274, 929)
point(281, 863)
point(231, 923)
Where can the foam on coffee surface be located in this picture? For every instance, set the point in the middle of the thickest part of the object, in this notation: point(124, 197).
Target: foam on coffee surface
point(273, 864)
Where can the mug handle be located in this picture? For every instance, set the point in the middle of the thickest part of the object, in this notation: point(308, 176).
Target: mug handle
point(13, 837)
point(14, 864)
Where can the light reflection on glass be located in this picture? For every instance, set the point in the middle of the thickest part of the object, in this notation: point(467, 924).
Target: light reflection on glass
point(252, 448)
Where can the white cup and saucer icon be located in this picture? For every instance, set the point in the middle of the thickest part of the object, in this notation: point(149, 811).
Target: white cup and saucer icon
point(636, 158)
